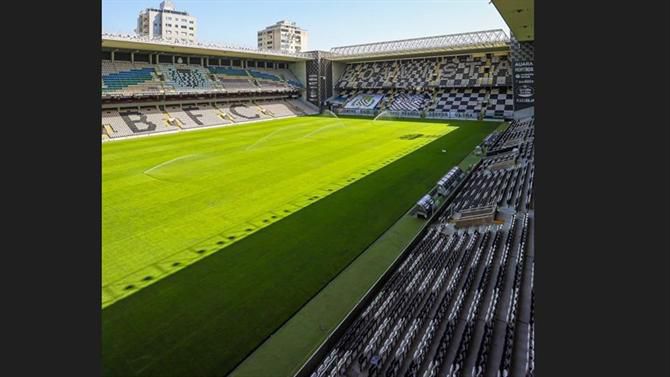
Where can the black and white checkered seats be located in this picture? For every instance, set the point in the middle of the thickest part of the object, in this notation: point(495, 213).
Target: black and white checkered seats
point(416, 73)
point(468, 71)
point(458, 100)
point(444, 72)
point(409, 102)
point(501, 103)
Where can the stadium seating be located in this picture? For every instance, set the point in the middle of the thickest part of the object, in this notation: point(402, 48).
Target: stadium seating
point(459, 301)
point(278, 109)
point(458, 100)
point(233, 79)
point(277, 80)
point(229, 71)
point(303, 107)
point(154, 115)
point(469, 71)
point(193, 116)
point(262, 75)
point(244, 112)
point(417, 73)
point(122, 78)
point(150, 119)
point(409, 102)
point(464, 85)
point(501, 103)
point(295, 83)
point(443, 72)
point(187, 78)
point(132, 122)
point(369, 75)
point(125, 78)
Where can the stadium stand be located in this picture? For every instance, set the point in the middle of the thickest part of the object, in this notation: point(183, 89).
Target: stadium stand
point(278, 109)
point(449, 84)
point(193, 116)
point(184, 78)
point(471, 71)
point(442, 72)
point(121, 78)
point(233, 79)
point(245, 111)
point(125, 78)
point(154, 115)
point(461, 301)
point(470, 85)
point(303, 107)
point(408, 102)
point(133, 121)
point(416, 74)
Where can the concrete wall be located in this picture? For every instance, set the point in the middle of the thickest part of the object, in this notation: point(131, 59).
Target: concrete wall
point(300, 71)
point(338, 71)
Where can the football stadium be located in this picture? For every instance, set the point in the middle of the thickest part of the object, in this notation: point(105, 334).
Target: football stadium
point(362, 211)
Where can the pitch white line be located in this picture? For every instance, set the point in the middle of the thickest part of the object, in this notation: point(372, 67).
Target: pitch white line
point(167, 162)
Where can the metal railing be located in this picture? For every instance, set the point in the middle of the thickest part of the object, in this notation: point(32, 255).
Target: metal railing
point(479, 39)
point(206, 45)
point(451, 115)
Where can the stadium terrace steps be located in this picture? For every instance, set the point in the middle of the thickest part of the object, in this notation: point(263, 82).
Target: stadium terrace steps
point(150, 119)
point(121, 78)
point(304, 106)
point(193, 116)
point(239, 79)
point(187, 78)
point(448, 71)
point(495, 102)
point(461, 302)
point(242, 112)
point(472, 85)
point(129, 122)
point(128, 78)
point(279, 109)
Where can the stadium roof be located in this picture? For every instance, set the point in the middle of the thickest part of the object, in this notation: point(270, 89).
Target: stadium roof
point(133, 42)
point(519, 16)
point(480, 40)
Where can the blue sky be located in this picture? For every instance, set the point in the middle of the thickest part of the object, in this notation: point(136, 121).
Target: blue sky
point(330, 23)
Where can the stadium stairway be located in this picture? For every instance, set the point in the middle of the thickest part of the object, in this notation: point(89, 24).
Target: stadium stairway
point(263, 110)
point(223, 114)
point(172, 121)
point(308, 108)
point(436, 74)
point(108, 129)
point(485, 104)
point(392, 77)
point(160, 75)
point(294, 108)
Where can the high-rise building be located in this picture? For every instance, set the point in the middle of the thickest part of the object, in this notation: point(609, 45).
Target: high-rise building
point(167, 23)
point(284, 36)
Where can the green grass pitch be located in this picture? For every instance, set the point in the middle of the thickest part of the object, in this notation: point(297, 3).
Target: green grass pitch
point(269, 211)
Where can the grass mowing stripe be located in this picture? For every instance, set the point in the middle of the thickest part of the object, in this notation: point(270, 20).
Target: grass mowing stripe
point(207, 318)
point(161, 207)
